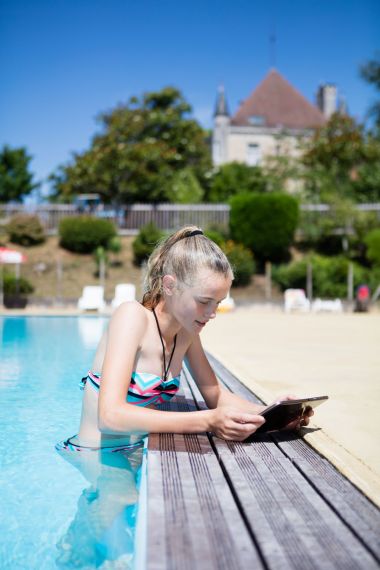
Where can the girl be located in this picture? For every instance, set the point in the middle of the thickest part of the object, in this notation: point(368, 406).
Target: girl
point(141, 355)
point(137, 366)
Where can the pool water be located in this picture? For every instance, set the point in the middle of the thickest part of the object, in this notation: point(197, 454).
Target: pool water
point(50, 514)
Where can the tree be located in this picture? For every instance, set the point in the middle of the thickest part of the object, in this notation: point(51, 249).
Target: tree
point(370, 72)
point(141, 147)
point(341, 161)
point(16, 181)
point(235, 178)
point(185, 188)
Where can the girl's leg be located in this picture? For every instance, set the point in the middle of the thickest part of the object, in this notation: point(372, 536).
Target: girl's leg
point(103, 527)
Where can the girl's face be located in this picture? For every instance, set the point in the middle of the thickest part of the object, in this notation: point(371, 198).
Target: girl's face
point(194, 306)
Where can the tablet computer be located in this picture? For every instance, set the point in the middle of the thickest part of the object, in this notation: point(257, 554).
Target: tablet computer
point(281, 413)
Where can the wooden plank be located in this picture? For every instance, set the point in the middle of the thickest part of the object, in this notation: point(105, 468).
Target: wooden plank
point(290, 516)
point(193, 520)
point(358, 512)
point(292, 523)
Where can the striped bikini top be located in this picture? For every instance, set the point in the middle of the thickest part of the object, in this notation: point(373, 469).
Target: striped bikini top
point(144, 388)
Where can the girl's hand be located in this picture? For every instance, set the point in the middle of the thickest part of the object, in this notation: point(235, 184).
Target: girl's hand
point(299, 422)
point(233, 424)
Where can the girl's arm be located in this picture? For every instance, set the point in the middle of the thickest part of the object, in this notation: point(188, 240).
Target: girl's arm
point(218, 397)
point(115, 416)
point(214, 394)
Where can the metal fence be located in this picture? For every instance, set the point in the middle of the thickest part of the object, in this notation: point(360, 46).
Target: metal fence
point(166, 216)
point(129, 219)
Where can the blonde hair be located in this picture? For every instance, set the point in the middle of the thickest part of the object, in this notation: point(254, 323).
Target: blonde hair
point(182, 254)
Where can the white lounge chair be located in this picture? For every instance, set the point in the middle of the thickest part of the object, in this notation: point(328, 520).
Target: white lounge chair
point(228, 304)
point(91, 330)
point(92, 298)
point(123, 292)
point(327, 305)
point(296, 300)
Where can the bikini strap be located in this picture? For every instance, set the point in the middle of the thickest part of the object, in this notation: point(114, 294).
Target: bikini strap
point(166, 368)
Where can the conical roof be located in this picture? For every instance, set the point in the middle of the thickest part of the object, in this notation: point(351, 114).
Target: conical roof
point(275, 103)
point(221, 107)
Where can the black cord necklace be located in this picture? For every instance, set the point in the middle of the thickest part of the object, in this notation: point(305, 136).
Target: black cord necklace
point(166, 368)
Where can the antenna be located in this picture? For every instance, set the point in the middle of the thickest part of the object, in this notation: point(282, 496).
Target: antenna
point(272, 46)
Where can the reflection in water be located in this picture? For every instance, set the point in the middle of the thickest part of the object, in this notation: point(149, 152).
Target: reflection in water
point(14, 331)
point(91, 330)
point(101, 534)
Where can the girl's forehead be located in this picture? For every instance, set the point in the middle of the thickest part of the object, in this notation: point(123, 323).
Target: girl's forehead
point(209, 283)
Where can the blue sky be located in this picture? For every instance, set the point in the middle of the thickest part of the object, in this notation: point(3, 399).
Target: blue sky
point(65, 61)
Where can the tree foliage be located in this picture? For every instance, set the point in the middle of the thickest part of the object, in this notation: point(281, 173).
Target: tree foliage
point(185, 188)
point(372, 241)
point(370, 72)
point(142, 145)
point(16, 180)
point(342, 161)
point(235, 178)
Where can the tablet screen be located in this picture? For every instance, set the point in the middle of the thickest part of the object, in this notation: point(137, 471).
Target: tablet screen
point(280, 414)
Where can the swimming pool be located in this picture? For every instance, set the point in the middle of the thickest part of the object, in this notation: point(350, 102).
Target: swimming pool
point(44, 500)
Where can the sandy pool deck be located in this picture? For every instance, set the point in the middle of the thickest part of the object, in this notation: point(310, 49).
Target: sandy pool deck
point(275, 353)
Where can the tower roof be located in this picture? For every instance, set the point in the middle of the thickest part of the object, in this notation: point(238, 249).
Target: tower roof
point(275, 103)
point(221, 107)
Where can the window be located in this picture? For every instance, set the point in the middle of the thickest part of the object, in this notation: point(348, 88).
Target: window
point(253, 154)
point(256, 120)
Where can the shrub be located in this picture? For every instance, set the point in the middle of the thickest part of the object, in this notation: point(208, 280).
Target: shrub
point(235, 178)
point(145, 242)
point(185, 188)
point(372, 241)
point(114, 245)
point(215, 236)
point(241, 260)
point(10, 285)
point(83, 234)
point(265, 223)
point(26, 230)
point(329, 275)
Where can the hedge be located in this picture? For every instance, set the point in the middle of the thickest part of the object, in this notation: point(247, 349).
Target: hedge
point(329, 275)
point(25, 229)
point(265, 223)
point(242, 263)
point(145, 242)
point(83, 234)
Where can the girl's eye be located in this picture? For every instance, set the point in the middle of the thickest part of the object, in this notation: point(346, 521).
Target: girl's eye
point(202, 302)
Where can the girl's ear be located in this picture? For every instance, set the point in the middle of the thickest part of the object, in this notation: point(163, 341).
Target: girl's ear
point(168, 284)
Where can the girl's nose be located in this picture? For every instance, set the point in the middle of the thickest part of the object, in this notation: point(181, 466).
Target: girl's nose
point(211, 313)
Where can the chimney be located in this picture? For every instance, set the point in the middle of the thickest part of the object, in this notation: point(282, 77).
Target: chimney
point(327, 99)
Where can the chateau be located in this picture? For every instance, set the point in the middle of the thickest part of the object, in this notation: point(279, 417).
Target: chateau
point(272, 121)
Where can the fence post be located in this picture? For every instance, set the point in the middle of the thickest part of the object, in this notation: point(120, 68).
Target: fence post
point(268, 280)
point(59, 268)
point(309, 281)
point(350, 282)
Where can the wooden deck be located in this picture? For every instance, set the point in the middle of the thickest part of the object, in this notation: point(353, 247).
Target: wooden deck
point(273, 503)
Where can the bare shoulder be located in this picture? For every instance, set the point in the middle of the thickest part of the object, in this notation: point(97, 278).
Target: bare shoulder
point(130, 314)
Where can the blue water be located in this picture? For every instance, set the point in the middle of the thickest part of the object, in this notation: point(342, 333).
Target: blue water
point(43, 498)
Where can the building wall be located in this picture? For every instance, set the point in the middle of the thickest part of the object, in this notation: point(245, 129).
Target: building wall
point(240, 145)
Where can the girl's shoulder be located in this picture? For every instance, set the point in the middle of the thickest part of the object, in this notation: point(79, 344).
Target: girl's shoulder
point(130, 313)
